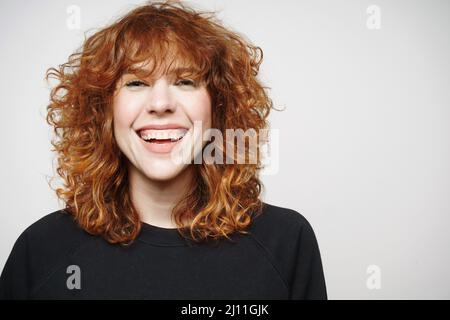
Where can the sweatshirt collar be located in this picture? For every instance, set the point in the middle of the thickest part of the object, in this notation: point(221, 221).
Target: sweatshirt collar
point(162, 236)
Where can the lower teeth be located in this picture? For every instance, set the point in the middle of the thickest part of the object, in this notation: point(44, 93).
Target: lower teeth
point(163, 140)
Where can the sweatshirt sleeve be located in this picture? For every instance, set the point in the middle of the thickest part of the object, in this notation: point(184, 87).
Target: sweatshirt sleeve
point(308, 279)
point(14, 280)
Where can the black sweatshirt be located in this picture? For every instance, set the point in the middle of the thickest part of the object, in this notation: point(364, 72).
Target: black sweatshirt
point(56, 259)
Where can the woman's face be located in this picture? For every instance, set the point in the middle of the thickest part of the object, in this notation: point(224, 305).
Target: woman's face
point(149, 115)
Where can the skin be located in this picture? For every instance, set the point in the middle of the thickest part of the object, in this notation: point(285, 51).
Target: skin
point(156, 182)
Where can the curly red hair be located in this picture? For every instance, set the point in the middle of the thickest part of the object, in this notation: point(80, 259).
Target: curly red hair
point(224, 197)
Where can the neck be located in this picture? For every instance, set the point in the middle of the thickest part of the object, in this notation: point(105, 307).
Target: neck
point(155, 200)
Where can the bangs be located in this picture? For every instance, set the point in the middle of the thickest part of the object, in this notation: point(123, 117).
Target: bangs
point(149, 51)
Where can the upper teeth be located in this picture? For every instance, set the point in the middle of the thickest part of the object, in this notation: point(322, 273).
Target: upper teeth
point(173, 134)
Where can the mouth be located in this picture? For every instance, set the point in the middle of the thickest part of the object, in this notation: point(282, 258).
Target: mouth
point(162, 136)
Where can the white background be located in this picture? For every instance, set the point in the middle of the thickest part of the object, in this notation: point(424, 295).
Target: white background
point(364, 138)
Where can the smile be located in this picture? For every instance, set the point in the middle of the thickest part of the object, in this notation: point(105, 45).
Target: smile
point(161, 141)
point(162, 136)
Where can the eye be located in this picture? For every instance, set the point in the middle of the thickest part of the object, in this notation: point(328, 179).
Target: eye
point(186, 82)
point(135, 83)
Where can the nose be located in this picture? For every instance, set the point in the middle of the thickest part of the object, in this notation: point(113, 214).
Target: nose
point(161, 99)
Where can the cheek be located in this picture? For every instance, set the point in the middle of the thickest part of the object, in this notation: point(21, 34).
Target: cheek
point(124, 112)
point(201, 110)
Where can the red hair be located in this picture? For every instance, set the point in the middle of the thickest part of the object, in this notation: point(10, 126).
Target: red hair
point(223, 197)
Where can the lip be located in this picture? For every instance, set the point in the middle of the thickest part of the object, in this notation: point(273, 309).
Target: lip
point(159, 148)
point(162, 127)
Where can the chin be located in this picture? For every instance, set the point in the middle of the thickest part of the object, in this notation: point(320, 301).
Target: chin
point(163, 173)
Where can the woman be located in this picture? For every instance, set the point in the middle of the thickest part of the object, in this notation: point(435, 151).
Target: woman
point(147, 215)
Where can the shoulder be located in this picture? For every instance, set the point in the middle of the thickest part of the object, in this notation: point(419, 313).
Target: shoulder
point(38, 251)
point(50, 239)
point(285, 236)
point(275, 221)
point(58, 228)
